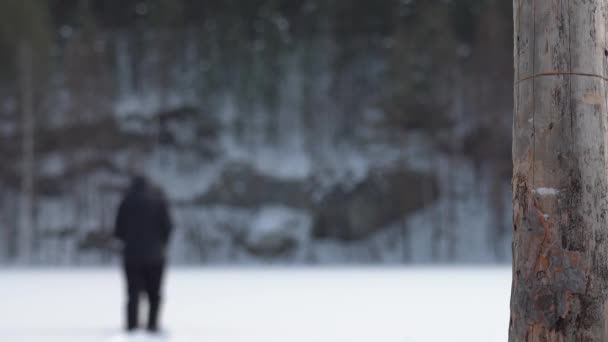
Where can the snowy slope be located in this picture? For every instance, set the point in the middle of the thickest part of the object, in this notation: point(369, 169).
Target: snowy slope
point(253, 305)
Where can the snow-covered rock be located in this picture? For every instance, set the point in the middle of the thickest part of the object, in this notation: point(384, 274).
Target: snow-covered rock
point(277, 230)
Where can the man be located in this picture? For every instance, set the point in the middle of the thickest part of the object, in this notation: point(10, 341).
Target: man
point(144, 226)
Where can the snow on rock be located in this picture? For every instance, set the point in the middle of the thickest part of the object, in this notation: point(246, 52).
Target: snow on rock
point(277, 229)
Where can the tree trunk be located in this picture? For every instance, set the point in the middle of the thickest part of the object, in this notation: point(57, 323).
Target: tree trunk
point(27, 176)
point(560, 250)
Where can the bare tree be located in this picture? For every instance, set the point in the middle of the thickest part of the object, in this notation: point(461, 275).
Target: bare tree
point(560, 247)
point(27, 176)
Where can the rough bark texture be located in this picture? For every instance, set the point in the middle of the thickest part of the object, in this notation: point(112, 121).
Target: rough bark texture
point(560, 251)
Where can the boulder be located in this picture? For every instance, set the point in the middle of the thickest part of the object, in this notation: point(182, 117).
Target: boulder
point(382, 198)
point(240, 185)
point(343, 212)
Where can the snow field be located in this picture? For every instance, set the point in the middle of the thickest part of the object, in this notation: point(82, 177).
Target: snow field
point(265, 305)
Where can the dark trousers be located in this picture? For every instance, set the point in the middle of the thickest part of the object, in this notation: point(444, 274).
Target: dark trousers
point(143, 278)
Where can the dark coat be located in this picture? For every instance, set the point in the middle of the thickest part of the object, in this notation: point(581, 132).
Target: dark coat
point(143, 223)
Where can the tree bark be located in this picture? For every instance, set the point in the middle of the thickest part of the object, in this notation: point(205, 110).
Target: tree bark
point(560, 250)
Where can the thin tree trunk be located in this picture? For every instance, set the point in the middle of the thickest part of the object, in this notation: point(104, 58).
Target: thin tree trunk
point(451, 235)
point(27, 179)
point(437, 219)
point(560, 247)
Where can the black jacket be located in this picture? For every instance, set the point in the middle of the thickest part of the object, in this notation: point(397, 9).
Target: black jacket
point(143, 223)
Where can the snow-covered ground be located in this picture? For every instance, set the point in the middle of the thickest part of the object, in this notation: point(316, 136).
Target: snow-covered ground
point(265, 305)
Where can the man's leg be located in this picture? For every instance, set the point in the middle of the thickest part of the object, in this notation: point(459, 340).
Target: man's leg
point(133, 275)
point(154, 279)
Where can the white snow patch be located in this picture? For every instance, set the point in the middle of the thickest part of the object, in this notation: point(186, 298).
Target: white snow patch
point(293, 164)
point(546, 191)
point(277, 225)
point(181, 183)
point(139, 337)
point(274, 219)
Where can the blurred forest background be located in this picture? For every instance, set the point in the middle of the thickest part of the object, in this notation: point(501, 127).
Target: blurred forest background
point(284, 131)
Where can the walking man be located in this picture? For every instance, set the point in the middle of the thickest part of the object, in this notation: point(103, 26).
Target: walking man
point(143, 224)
